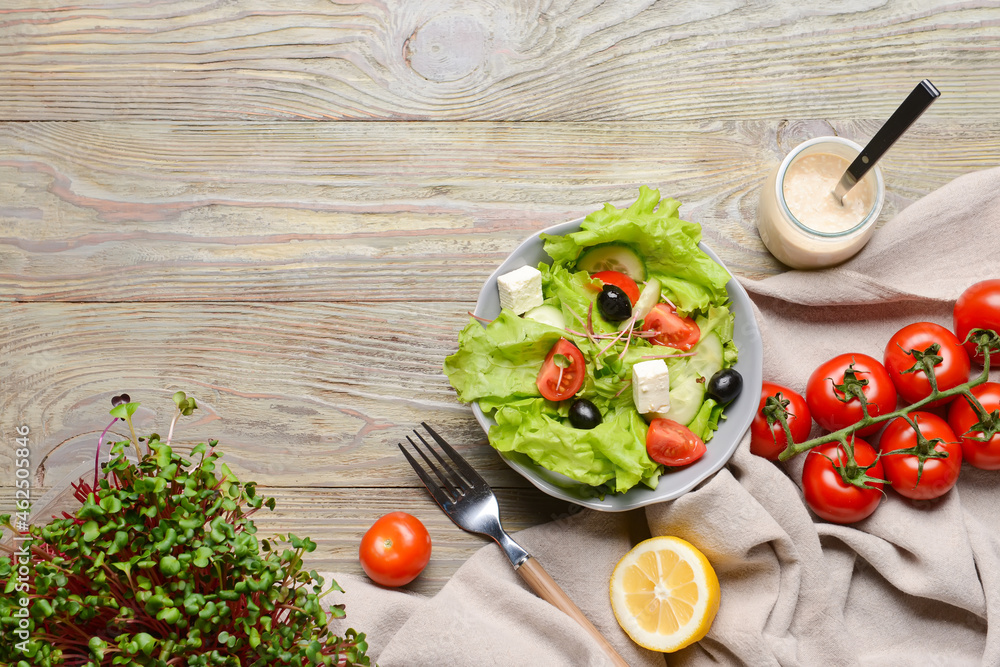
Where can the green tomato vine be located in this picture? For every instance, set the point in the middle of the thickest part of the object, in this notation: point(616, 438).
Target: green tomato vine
point(987, 342)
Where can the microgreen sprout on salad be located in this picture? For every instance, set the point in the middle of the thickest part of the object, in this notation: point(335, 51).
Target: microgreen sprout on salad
point(614, 361)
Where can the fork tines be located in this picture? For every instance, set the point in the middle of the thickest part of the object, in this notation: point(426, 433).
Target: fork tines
point(455, 479)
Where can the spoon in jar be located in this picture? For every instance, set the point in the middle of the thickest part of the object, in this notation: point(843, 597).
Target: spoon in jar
point(900, 120)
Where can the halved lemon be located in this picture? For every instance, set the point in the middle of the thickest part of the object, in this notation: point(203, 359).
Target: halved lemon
point(665, 594)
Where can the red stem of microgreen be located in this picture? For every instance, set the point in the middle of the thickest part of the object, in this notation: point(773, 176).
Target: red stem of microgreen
point(626, 385)
point(97, 456)
point(576, 315)
point(476, 317)
point(669, 356)
point(173, 422)
point(628, 338)
point(613, 341)
point(615, 336)
point(590, 323)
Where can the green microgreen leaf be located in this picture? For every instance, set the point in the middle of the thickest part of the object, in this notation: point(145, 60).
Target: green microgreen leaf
point(90, 531)
point(124, 410)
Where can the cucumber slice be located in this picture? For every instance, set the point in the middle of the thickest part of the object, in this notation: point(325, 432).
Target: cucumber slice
point(708, 356)
point(686, 392)
point(649, 297)
point(686, 398)
point(612, 257)
point(547, 314)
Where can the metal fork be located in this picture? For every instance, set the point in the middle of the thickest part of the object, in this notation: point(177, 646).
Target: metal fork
point(470, 502)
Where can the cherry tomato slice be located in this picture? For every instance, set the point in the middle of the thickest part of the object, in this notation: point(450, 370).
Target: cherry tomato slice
point(619, 279)
point(562, 376)
point(680, 333)
point(961, 418)
point(672, 444)
point(951, 371)
point(395, 549)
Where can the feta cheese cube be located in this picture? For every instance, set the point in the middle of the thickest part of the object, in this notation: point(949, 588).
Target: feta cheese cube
point(521, 289)
point(651, 386)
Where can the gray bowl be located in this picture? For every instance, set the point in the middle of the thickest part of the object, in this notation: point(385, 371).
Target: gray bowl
point(675, 482)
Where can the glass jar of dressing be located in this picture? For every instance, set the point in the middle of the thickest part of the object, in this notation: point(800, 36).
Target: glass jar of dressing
point(798, 218)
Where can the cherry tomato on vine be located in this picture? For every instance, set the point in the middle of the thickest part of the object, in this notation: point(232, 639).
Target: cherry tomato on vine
point(902, 470)
point(680, 333)
point(824, 399)
point(978, 308)
point(826, 492)
point(395, 549)
point(563, 371)
point(962, 417)
point(673, 444)
point(769, 441)
point(951, 371)
point(619, 279)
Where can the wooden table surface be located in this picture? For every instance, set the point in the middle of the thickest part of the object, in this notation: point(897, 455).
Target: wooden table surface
point(286, 210)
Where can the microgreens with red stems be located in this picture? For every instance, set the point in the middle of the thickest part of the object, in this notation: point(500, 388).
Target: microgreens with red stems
point(161, 566)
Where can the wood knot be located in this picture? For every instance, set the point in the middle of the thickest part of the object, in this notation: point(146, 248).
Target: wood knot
point(447, 47)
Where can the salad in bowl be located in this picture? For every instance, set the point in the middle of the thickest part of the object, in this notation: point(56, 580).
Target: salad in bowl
point(605, 357)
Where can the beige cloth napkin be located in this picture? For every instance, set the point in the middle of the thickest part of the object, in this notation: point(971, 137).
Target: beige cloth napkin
point(914, 584)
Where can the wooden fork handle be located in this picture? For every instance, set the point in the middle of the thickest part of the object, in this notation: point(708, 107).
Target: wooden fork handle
point(547, 589)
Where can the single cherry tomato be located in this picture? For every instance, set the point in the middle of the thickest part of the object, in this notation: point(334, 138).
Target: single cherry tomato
point(951, 371)
point(903, 470)
point(680, 333)
point(769, 441)
point(395, 549)
point(825, 490)
point(978, 308)
point(961, 418)
point(619, 279)
point(563, 371)
point(832, 409)
point(672, 444)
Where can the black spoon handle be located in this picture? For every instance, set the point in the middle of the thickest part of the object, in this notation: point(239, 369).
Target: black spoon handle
point(909, 111)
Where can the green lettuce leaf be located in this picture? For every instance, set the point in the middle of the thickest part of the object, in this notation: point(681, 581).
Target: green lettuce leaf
point(668, 245)
point(706, 421)
point(499, 363)
point(613, 453)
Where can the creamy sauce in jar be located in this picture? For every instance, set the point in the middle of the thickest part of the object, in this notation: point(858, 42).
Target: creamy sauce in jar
point(808, 187)
point(798, 218)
